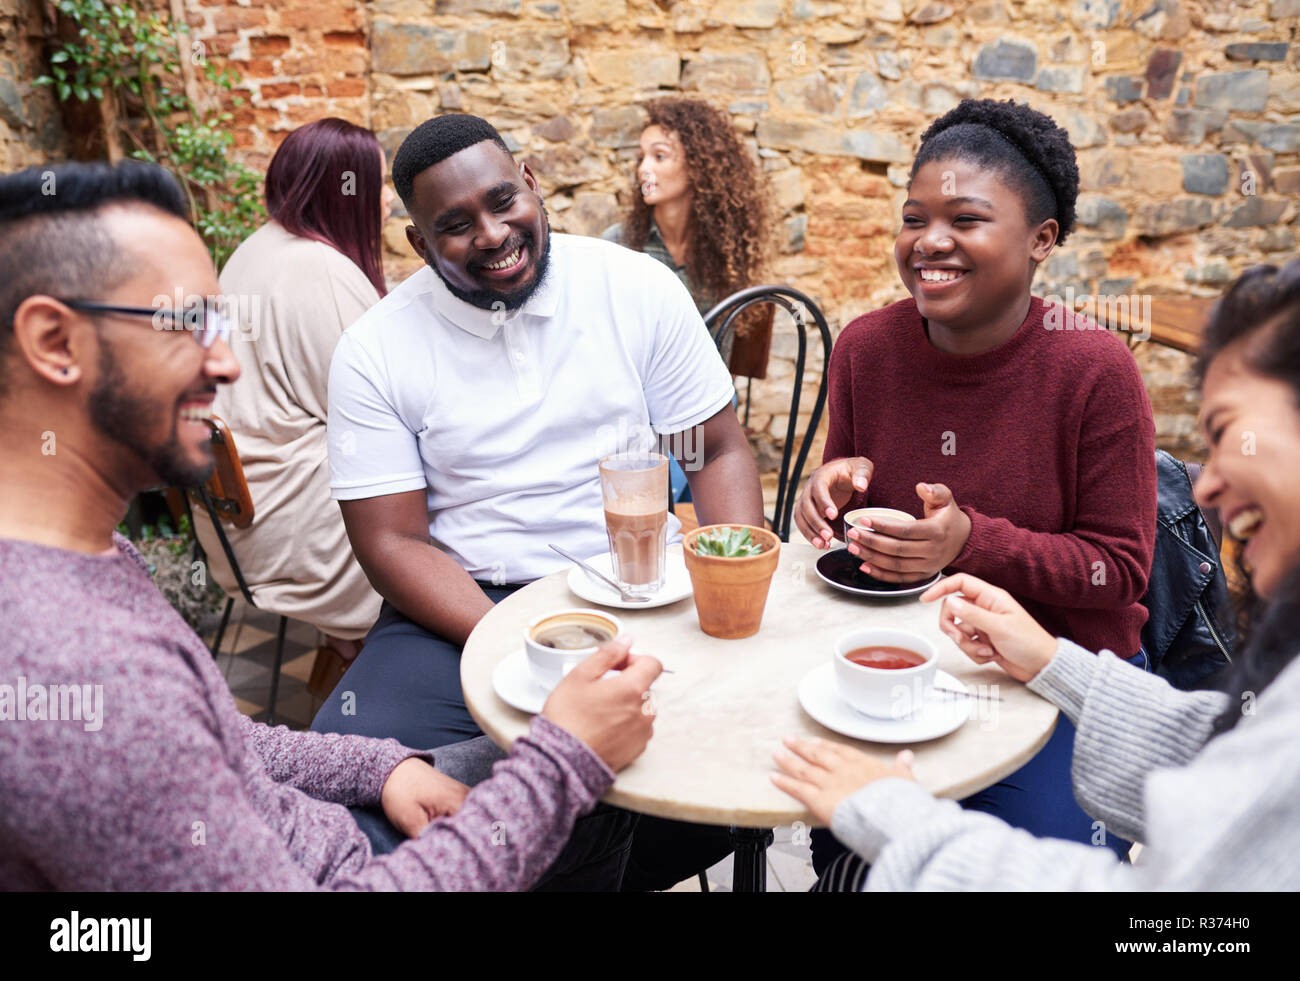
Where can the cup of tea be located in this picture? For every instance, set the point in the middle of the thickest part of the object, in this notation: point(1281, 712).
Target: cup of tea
point(884, 672)
point(854, 518)
point(634, 487)
point(555, 642)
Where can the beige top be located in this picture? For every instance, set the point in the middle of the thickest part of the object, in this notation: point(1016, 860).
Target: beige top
point(723, 712)
point(293, 298)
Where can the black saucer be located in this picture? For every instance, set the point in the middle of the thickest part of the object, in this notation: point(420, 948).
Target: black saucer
point(842, 569)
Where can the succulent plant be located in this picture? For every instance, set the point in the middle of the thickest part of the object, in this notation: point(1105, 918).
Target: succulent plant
point(727, 543)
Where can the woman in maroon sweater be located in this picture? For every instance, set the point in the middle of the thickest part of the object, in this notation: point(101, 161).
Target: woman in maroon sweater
point(1019, 434)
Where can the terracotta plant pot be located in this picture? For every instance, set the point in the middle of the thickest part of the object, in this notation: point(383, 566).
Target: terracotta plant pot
point(730, 593)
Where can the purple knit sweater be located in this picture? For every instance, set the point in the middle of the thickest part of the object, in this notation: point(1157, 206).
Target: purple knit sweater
point(172, 788)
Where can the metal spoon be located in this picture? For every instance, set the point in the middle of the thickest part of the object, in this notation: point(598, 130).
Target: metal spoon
point(624, 595)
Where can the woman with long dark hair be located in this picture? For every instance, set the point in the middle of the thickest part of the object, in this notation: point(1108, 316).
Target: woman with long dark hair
point(294, 286)
point(1208, 781)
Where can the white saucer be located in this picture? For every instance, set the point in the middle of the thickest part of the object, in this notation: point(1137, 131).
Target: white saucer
point(940, 714)
point(677, 582)
point(514, 684)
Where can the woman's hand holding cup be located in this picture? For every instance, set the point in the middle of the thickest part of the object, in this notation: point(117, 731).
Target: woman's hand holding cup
point(830, 488)
point(988, 625)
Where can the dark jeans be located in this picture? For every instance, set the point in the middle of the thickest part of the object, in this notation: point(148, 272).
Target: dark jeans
point(1039, 797)
point(405, 685)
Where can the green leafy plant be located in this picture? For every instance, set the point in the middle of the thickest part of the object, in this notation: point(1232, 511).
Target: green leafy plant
point(729, 543)
point(184, 582)
point(133, 60)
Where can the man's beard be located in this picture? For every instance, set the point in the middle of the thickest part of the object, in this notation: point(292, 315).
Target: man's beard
point(495, 299)
point(122, 417)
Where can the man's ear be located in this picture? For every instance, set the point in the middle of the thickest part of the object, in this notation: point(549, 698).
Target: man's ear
point(417, 242)
point(43, 338)
point(527, 174)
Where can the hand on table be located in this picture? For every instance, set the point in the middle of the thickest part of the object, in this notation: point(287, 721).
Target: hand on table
point(910, 551)
point(415, 794)
point(819, 773)
point(830, 487)
point(612, 716)
point(988, 625)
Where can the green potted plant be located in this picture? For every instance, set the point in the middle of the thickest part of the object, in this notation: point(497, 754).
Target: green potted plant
point(731, 569)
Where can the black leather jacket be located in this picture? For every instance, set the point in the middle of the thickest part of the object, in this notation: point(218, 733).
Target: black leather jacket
point(1188, 635)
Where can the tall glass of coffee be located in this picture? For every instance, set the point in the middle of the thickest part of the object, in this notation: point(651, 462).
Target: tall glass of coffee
point(635, 489)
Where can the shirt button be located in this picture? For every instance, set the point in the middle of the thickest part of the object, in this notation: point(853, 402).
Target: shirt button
point(1205, 567)
point(519, 356)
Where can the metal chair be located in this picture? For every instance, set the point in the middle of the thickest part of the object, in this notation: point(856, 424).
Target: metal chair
point(225, 497)
point(751, 844)
point(721, 321)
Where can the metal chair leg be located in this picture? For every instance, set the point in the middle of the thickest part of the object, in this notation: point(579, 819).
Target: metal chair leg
point(221, 630)
point(275, 671)
point(750, 868)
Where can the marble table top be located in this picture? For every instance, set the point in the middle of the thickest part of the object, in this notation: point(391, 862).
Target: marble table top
point(725, 708)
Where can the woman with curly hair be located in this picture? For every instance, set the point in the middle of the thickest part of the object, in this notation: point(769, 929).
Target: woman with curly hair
point(700, 206)
point(1018, 434)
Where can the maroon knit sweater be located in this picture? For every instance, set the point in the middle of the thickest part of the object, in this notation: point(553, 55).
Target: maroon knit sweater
point(1046, 442)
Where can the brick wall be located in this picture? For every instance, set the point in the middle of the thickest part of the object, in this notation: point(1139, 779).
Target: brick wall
point(1185, 114)
point(31, 130)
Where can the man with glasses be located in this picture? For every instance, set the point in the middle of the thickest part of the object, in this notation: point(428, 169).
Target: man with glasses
point(150, 778)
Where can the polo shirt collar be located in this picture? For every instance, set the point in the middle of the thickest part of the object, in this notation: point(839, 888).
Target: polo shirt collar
point(483, 323)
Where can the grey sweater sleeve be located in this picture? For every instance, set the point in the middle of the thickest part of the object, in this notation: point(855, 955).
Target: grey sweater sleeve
point(1129, 723)
point(1222, 814)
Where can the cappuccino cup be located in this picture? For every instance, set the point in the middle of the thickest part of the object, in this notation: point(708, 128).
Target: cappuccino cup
point(555, 642)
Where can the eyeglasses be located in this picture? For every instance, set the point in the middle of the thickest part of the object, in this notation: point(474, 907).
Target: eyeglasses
point(206, 324)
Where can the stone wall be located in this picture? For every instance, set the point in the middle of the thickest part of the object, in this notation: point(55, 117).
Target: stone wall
point(31, 130)
point(1185, 113)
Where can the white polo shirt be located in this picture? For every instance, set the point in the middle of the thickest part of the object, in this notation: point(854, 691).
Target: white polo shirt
point(502, 417)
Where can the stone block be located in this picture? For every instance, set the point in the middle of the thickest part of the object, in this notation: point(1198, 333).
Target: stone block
point(1257, 51)
point(727, 75)
point(1205, 173)
point(1171, 217)
point(418, 49)
point(1243, 91)
point(1006, 60)
point(1255, 211)
point(1162, 71)
point(1061, 78)
point(1123, 88)
point(643, 67)
point(618, 127)
point(866, 95)
point(806, 93)
point(1103, 214)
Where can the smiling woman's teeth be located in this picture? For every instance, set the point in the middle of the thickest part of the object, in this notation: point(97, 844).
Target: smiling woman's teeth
point(940, 275)
point(507, 262)
point(195, 413)
point(1245, 523)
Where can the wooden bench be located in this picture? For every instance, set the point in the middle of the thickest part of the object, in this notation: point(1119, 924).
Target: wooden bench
point(1176, 321)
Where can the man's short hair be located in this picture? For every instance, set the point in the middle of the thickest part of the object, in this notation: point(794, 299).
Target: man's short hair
point(52, 239)
point(433, 141)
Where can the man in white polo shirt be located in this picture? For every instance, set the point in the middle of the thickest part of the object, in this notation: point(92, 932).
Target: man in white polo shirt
point(469, 407)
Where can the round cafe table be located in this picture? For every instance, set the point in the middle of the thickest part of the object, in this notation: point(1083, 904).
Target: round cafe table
point(724, 710)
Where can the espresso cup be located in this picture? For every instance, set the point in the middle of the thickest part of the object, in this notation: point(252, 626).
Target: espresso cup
point(549, 664)
point(854, 518)
point(885, 693)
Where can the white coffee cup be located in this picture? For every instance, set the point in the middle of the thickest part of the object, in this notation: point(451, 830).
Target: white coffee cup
point(854, 518)
point(885, 693)
point(548, 665)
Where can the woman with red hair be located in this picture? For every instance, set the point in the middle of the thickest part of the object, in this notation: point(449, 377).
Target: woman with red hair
point(293, 287)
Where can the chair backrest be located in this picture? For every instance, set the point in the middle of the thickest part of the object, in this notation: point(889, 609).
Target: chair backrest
point(224, 496)
point(721, 321)
point(227, 493)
